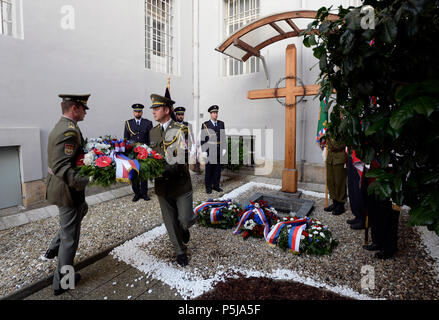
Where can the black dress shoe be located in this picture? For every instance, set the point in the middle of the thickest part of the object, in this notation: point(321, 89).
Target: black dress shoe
point(383, 255)
point(358, 226)
point(60, 291)
point(352, 221)
point(186, 236)
point(182, 260)
point(136, 198)
point(208, 191)
point(339, 209)
point(146, 198)
point(331, 207)
point(50, 254)
point(218, 189)
point(372, 247)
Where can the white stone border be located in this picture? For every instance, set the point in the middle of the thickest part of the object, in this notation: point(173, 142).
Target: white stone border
point(189, 284)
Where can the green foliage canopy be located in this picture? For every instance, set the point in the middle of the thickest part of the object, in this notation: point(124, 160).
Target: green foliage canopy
point(396, 63)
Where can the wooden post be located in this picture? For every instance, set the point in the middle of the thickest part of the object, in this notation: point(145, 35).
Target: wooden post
point(289, 174)
point(290, 92)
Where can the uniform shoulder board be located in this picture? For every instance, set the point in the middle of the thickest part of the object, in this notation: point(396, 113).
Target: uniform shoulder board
point(70, 133)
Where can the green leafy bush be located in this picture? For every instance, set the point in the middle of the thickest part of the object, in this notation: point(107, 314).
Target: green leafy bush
point(387, 90)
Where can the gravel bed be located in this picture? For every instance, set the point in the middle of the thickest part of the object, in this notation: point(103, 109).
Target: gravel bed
point(410, 274)
point(106, 224)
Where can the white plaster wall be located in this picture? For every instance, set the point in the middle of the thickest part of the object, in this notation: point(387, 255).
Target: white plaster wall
point(103, 56)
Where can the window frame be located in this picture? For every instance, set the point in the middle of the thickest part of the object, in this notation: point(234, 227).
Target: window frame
point(160, 36)
point(231, 67)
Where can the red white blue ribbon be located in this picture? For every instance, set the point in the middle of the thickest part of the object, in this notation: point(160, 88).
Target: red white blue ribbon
point(260, 213)
point(215, 212)
point(125, 167)
point(275, 231)
point(294, 237)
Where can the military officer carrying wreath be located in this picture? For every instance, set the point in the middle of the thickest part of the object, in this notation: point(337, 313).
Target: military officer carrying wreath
point(137, 130)
point(66, 189)
point(174, 188)
point(213, 142)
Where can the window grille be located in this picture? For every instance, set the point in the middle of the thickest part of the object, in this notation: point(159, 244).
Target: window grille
point(6, 17)
point(159, 36)
point(239, 13)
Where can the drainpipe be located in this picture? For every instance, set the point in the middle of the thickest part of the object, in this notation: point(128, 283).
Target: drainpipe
point(196, 67)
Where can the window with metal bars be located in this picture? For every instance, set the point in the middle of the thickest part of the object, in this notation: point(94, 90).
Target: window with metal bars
point(238, 13)
point(6, 17)
point(160, 53)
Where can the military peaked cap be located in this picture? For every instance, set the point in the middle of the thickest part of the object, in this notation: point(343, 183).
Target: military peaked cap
point(158, 101)
point(80, 98)
point(180, 110)
point(137, 107)
point(213, 108)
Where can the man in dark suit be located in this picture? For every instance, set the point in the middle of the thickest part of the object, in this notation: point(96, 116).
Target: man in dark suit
point(137, 130)
point(213, 142)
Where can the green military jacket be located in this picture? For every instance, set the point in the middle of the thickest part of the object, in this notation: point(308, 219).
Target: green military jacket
point(65, 145)
point(336, 152)
point(176, 179)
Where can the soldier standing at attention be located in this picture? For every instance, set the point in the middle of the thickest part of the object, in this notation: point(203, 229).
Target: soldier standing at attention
point(65, 188)
point(137, 130)
point(190, 141)
point(174, 188)
point(213, 142)
point(336, 175)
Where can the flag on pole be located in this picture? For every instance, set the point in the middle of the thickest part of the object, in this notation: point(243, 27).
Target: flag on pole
point(322, 125)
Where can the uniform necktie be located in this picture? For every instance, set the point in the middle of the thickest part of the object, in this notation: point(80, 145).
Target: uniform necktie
point(138, 122)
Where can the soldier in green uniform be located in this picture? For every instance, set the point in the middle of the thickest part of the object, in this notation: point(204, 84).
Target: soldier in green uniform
point(174, 188)
point(65, 188)
point(336, 175)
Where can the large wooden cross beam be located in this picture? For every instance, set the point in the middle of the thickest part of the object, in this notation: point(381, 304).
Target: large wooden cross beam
point(290, 93)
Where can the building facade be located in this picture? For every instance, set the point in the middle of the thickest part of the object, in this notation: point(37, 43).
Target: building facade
point(122, 51)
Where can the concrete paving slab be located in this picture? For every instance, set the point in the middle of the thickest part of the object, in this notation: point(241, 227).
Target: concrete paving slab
point(97, 274)
point(160, 291)
point(47, 294)
point(92, 200)
point(122, 192)
point(53, 210)
point(105, 196)
point(15, 220)
point(37, 214)
point(129, 285)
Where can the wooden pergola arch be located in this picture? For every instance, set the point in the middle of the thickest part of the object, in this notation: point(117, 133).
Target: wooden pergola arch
point(282, 23)
point(248, 42)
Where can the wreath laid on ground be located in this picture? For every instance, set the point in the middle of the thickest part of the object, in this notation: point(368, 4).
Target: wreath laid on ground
point(261, 220)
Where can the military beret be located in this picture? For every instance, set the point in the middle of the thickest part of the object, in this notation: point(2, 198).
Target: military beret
point(158, 101)
point(137, 107)
point(180, 110)
point(80, 98)
point(213, 108)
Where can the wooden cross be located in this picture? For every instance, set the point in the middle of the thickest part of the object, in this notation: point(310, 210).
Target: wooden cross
point(290, 93)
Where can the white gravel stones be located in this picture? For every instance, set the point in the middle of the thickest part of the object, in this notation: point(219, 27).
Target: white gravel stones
point(216, 254)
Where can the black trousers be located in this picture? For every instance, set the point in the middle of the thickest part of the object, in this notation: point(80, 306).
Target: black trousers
point(212, 176)
point(140, 189)
point(357, 194)
point(384, 224)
